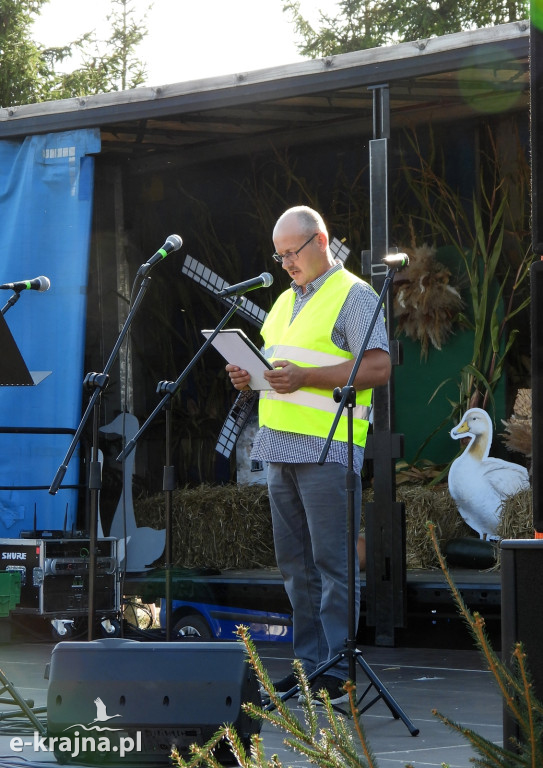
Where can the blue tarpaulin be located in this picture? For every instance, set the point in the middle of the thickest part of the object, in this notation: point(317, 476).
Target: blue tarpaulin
point(46, 186)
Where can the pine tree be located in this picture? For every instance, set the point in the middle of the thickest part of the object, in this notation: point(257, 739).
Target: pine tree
point(30, 73)
point(362, 24)
point(110, 65)
point(21, 69)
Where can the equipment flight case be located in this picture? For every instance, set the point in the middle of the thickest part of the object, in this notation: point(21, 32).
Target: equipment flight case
point(55, 579)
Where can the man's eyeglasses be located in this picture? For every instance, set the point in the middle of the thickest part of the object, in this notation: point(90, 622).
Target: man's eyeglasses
point(292, 254)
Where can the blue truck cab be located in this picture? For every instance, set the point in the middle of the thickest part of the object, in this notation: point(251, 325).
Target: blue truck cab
point(208, 621)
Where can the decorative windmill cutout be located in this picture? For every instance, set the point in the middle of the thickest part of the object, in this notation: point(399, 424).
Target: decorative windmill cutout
point(212, 283)
point(138, 547)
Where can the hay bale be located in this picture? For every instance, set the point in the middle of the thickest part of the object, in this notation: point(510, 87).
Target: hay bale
point(516, 518)
point(215, 526)
point(423, 504)
point(229, 526)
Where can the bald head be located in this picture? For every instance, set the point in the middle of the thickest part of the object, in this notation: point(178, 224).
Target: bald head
point(306, 219)
point(301, 239)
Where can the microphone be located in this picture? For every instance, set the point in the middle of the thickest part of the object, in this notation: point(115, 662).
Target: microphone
point(37, 284)
point(396, 260)
point(262, 281)
point(173, 243)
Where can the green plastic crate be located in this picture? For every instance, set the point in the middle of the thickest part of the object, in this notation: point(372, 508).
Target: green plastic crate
point(10, 591)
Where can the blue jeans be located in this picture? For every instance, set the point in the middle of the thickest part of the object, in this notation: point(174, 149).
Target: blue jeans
point(309, 515)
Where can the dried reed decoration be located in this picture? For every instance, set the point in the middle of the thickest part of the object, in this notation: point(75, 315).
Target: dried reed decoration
point(518, 429)
point(426, 305)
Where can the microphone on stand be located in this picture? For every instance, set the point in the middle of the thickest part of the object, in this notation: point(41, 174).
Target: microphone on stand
point(173, 243)
point(396, 260)
point(37, 284)
point(262, 281)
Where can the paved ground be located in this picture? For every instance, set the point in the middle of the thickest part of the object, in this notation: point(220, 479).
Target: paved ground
point(418, 679)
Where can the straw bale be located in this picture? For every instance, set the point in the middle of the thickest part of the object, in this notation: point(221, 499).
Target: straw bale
point(215, 526)
point(229, 526)
point(516, 517)
point(423, 504)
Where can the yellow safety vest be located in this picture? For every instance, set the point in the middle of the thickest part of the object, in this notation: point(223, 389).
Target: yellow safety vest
point(307, 341)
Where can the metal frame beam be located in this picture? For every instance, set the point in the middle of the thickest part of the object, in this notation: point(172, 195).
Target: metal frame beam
point(385, 518)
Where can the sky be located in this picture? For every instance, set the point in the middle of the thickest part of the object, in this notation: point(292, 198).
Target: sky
point(190, 39)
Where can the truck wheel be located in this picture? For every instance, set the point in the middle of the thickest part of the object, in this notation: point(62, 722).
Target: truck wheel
point(192, 626)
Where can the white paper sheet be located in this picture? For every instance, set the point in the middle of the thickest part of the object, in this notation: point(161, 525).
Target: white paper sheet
point(238, 349)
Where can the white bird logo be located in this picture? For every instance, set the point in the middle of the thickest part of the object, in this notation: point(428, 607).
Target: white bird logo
point(101, 712)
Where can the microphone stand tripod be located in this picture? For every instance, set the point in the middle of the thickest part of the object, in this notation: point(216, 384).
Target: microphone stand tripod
point(96, 382)
point(168, 389)
point(346, 397)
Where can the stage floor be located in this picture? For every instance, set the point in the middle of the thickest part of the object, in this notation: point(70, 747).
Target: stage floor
point(420, 679)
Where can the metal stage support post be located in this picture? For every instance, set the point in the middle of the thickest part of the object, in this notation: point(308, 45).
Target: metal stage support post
point(385, 517)
point(536, 272)
point(522, 559)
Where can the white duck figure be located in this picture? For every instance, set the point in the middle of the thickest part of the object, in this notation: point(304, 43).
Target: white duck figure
point(142, 546)
point(477, 483)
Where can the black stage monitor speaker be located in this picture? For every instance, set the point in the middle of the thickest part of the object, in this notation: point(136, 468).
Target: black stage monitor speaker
point(522, 617)
point(113, 698)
